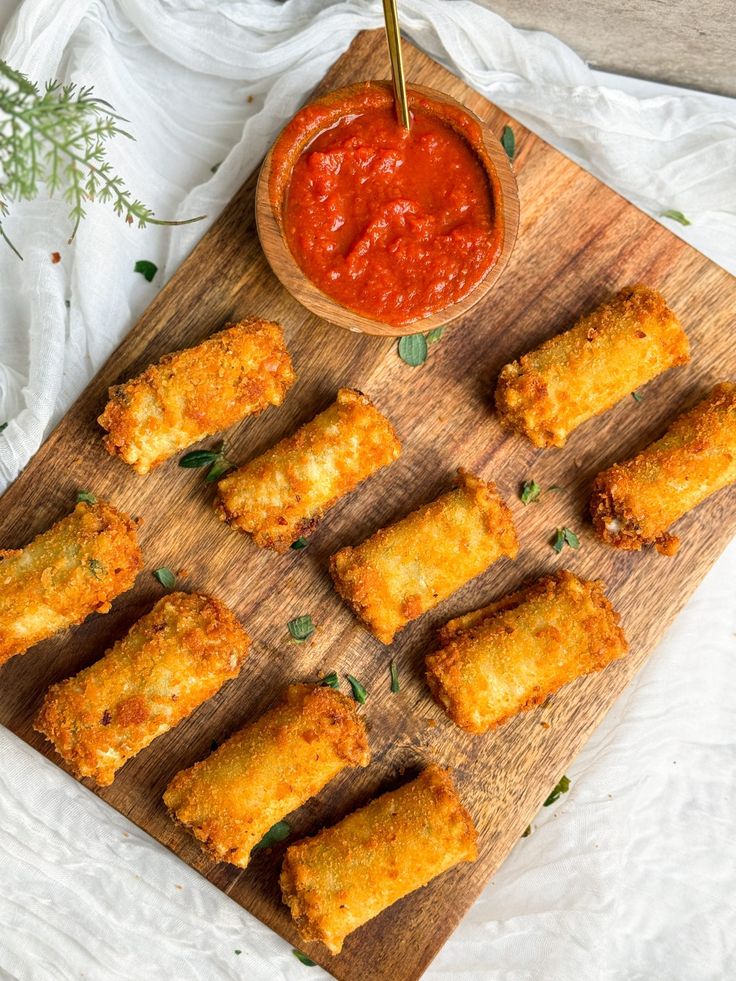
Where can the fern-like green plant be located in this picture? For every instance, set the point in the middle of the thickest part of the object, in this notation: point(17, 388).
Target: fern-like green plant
point(58, 137)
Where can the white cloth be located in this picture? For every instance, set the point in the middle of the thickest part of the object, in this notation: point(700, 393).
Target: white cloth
point(632, 875)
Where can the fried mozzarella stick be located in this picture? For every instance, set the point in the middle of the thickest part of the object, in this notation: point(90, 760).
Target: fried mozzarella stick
point(284, 493)
point(623, 344)
point(349, 873)
point(509, 656)
point(409, 567)
point(196, 392)
point(634, 503)
point(266, 770)
point(170, 662)
point(75, 568)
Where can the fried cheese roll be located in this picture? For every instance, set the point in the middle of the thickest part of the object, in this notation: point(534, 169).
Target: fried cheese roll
point(284, 493)
point(409, 567)
point(623, 344)
point(509, 656)
point(196, 392)
point(170, 662)
point(266, 770)
point(75, 568)
point(633, 504)
point(336, 881)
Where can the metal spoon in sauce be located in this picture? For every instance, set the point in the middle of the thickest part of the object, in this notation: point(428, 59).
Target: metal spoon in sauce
point(393, 35)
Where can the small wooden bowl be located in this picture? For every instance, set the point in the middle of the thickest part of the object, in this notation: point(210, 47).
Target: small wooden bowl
point(273, 241)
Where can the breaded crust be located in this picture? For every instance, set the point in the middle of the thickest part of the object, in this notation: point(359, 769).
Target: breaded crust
point(623, 344)
point(75, 568)
point(634, 504)
point(169, 662)
point(266, 770)
point(284, 493)
point(409, 567)
point(196, 392)
point(508, 657)
point(349, 873)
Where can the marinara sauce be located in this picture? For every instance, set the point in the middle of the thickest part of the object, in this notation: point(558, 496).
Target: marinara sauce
point(395, 225)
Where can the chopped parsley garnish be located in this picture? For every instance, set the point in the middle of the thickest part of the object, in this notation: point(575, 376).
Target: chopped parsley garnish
point(166, 577)
point(306, 961)
point(3, 425)
point(299, 544)
point(565, 536)
point(394, 678)
point(280, 830)
point(562, 788)
point(636, 397)
point(147, 269)
point(413, 349)
point(330, 680)
point(86, 498)
point(508, 142)
point(238, 952)
point(215, 460)
point(301, 628)
point(676, 216)
point(435, 334)
point(96, 568)
point(530, 492)
point(528, 831)
point(359, 693)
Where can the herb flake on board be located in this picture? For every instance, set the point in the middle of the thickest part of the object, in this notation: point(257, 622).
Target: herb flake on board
point(562, 788)
point(166, 577)
point(301, 628)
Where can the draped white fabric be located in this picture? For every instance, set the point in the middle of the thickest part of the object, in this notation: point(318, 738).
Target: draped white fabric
point(632, 875)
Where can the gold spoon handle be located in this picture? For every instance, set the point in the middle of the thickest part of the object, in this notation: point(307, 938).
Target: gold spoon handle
point(393, 35)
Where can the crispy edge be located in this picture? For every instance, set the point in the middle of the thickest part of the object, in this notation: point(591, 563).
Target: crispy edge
point(346, 570)
point(93, 520)
point(350, 744)
point(520, 378)
point(56, 717)
point(615, 522)
point(309, 923)
point(264, 537)
point(612, 646)
point(123, 432)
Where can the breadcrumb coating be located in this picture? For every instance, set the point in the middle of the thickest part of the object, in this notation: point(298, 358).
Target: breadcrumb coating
point(635, 503)
point(623, 344)
point(409, 567)
point(284, 493)
point(75, 568)
point(267, 770)
point(344, 876)
point(508, 657)
point(170, 662)
point(197, 392)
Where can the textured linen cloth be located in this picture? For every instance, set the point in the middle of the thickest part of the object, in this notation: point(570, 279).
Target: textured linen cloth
point(632, 875)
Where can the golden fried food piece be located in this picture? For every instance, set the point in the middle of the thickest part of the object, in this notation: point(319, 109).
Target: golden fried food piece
point(624, 343)
point(509, 656)
point(284, 493)
point(349, 873)
point(170, 662)
point(266, 770)
point(634, 503)
point(196, 392)
point(75, 568)
point(409, 567)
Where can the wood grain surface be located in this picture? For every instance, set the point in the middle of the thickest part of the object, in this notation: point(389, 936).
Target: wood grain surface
point(578, 241)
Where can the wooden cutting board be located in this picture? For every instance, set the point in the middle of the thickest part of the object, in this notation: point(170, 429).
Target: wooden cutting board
point(578, 241)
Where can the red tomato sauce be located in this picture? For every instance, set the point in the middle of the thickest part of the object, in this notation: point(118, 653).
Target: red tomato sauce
point(395, 225)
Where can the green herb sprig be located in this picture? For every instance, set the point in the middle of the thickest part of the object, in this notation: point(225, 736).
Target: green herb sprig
point(508, 142)
point(58, 136)
point(414, 348)
point(330, 680)
point(306, 961)
point(675, 216)
point(280, 831)
point(166, 577)
point(395, 686)
point(359, 693)
point(565, 536)
point(301, 628)
point(562, 788)
point(215, 460)
point(86, 498)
